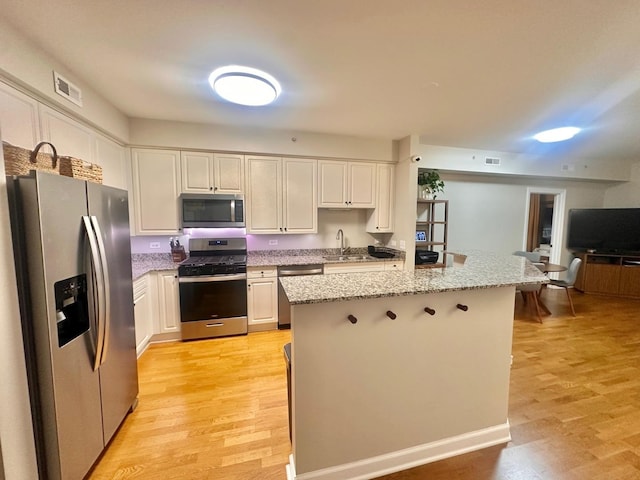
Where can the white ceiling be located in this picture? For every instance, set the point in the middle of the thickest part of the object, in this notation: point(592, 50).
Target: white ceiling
point(480, 74)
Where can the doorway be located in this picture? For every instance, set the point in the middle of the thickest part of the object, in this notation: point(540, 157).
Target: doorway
point(544, 221)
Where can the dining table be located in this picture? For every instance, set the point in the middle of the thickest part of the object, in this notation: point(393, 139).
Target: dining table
point(553, 267)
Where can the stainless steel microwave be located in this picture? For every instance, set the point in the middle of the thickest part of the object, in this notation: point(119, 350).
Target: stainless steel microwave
point(212, 211)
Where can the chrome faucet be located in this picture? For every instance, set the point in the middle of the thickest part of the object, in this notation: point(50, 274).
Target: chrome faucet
point(340, 236)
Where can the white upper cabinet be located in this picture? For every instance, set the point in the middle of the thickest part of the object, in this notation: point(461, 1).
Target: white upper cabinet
point(112, 157)
point(300, 195)
point(204, 172)
point(18, 118)
point(70, 137)
point(264, 195)
point(346, 184)
point(381, 219)
point(228, 173)
point(281, 195)
point(156, 181)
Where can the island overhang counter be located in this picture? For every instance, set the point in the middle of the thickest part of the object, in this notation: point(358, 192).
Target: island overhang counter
point(391, 370)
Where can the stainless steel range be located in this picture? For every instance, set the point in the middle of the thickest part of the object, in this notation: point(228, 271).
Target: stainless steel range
point(213, 288)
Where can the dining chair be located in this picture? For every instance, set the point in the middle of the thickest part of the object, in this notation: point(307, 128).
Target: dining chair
point(532, 256)
point(530, 293)
point(570, 280)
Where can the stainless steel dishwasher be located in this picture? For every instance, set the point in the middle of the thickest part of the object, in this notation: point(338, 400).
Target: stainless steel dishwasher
point(284, 312)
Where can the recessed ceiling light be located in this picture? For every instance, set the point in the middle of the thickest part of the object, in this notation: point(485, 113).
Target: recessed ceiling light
point(556, 134)
point(244, 85)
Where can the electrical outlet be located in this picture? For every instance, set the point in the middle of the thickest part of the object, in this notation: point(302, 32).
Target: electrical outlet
point(154, 245)
point(273, 242)
point(402, 244)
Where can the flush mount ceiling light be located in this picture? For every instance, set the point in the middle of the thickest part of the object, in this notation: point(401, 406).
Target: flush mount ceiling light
point(244, 85)
point(556, 134)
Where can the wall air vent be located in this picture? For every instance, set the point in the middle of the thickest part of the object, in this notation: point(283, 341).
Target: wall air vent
point(491, 161)
point(67, 89)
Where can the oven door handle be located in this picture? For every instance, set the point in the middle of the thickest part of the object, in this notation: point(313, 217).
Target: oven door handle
point(213, 278)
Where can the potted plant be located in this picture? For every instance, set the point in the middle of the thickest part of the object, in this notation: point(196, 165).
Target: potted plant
point(430, 183)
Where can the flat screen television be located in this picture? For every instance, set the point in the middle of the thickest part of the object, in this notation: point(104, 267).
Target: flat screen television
point(605, 230)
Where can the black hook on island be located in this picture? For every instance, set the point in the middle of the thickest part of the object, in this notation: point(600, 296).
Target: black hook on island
point(462, 307)
point(391, 315)
point(352, 319)
point(430, 311)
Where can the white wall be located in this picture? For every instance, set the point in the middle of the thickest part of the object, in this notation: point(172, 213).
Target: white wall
point(352, 223)
point(626, 195)
point(29, 66)
point(488, 212)
point(16, 435)
point(166, 134)
point(473, 161)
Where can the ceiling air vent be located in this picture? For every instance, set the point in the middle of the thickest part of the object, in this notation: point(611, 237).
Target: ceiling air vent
point(491, 161)
point(67, 89)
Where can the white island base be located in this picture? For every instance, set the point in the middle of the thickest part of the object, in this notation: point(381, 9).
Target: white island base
point(384, 395)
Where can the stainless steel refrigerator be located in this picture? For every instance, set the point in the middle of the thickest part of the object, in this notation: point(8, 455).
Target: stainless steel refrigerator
point(73, 260)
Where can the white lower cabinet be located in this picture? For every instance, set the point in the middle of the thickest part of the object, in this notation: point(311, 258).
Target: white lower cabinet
point(168, 303)
point(262, 298)
point(144, 312)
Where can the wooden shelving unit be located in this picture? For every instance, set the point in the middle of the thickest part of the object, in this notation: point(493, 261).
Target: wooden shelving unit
point(609, 274)
point(432, 228)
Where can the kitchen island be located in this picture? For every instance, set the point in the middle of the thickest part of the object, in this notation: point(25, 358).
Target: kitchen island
point(390, 370)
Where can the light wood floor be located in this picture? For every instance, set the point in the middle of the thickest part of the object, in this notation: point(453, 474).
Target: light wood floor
point(217, 409)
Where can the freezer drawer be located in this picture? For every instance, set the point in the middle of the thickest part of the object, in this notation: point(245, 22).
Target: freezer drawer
point(214, 328)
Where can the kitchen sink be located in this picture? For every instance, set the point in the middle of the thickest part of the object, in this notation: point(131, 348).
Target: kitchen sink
point(344, 258)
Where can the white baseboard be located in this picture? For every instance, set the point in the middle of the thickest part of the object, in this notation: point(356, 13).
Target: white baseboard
point(407, 458)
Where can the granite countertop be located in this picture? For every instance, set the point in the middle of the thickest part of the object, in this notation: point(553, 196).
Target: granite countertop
point(146, 262)
point(481, 270)
point(265, 258)
point(142, 263)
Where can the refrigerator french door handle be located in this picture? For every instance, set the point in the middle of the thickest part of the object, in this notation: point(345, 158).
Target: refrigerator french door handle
point(106, 289)
point(99, 307)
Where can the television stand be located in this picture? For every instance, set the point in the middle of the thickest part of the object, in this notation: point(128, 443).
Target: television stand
point(609, 274)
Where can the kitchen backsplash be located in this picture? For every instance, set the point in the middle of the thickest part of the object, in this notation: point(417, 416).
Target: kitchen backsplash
point(352, 222)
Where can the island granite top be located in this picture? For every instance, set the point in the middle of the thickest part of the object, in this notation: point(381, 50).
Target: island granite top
point(481, 270)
